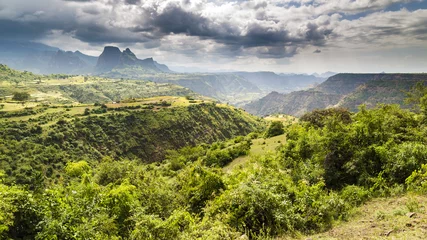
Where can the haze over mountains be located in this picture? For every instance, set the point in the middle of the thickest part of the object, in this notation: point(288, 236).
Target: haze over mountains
point(260, 93)
point(237, 88)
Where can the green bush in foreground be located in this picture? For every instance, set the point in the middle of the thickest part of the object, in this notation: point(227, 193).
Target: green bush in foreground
point(276, 128)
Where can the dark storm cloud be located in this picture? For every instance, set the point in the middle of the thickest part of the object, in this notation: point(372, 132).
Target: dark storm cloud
point(101, 34)
point(21, 31)
point(175, 20)
point(258, 28)
point(133, 2)
point(31, 30)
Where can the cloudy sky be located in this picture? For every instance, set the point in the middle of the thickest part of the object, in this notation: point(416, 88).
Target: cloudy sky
point(276, 35)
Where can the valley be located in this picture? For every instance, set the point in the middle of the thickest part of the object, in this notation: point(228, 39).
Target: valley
point(213, 119)
point(199, 167)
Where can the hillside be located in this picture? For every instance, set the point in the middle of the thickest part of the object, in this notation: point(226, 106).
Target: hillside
point(295, 103)
point(380, 91)
point(67, 89)
point(363, 176)
point(345, 90)
point(345, 83)
point(140, 129)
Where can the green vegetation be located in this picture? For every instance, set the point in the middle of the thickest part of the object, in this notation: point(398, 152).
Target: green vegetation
point(188, 168)
point(341, 90)
point(315, 178)
point(114, 132)
point(275, 129)
point(68, 89)
point(21, 96)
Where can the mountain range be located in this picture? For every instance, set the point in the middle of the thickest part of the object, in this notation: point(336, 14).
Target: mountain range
point(237, 88)
point(341, 90)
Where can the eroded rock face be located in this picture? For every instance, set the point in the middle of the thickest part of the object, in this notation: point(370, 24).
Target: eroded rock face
point(109, 59)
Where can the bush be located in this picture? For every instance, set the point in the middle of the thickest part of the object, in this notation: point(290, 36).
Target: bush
point(21, 96)
point(355, 195)
point(276, 128)
point(77, 169)
point(318, 117)
point(417, 181)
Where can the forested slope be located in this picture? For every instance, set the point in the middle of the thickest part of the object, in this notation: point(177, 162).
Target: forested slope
point(30, 152)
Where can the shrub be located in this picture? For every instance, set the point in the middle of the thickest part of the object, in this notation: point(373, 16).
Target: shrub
point(355, 195)
point(77, 169)
point(276, 128)
point(21, 96)
point(417, 181)
point(318, 117)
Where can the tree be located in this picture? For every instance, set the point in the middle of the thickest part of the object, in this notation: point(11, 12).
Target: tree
point(21, 96)
point(275, 129)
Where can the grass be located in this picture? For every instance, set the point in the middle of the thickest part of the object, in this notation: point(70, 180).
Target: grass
point(259, 147)
point(402, 217)
point(15, 106)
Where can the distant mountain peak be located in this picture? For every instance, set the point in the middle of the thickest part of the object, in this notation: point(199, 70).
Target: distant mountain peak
point(108, 59)
point(112, 58)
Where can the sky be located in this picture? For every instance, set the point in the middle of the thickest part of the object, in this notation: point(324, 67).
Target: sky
point(299, 36)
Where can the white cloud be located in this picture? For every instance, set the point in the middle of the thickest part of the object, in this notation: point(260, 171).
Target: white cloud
point(208, 30)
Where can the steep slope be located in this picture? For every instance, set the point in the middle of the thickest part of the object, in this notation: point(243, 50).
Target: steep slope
point(295, 103)
point(108, 59)
point(346, 90)
point(163, 67)
point(143, 135)
point(380, 91)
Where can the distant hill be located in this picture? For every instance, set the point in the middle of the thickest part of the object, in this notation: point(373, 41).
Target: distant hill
point(44, 59)
point(295, 103)
point(346, 90)
point(236, 88)
point(270, 81)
